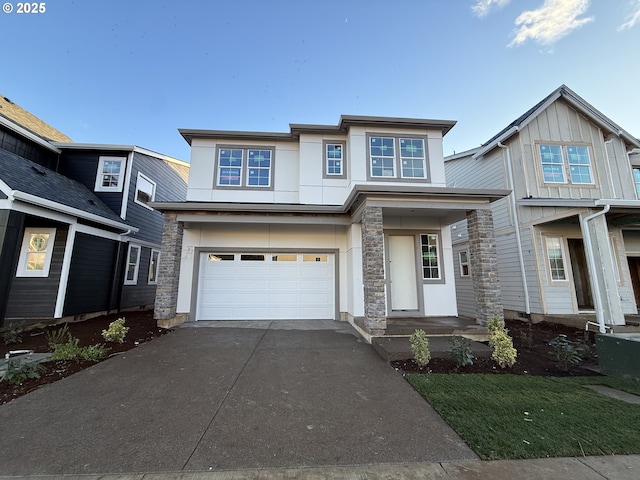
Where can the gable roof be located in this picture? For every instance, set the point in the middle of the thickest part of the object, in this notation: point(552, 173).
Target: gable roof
point(572, 99)
point(19, 115)
point(35, 184)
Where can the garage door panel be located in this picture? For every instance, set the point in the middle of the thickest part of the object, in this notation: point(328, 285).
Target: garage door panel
point(294, 286)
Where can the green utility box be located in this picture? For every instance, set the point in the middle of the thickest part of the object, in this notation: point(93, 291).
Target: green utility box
point(619, 354)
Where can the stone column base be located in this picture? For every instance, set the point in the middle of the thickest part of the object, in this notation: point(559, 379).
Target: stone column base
point(179, 319)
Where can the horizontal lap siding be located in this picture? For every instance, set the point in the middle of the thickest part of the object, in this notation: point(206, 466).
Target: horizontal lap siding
point(464, 285)
point(35, 297)
point(90, 275)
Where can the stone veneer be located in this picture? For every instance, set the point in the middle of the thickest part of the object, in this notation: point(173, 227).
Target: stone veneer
point(169, 273)
point(483, 261)
point(375, 306)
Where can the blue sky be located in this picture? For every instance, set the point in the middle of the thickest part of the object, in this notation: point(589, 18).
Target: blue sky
point(134, 71)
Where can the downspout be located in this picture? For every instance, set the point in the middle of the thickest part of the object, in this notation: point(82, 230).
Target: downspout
point(516, 221)
point(592, 265)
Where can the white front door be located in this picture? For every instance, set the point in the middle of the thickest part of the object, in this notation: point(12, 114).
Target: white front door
point(402, 273)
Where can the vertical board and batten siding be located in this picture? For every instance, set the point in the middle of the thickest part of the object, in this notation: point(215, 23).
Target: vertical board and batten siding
point(82, 166)
point(142, 293)
point(90, 275)
point(621, 171)
point(35, 297)
point(465, 298)
point(170, 187)
point(11, 228)
point(26, 149)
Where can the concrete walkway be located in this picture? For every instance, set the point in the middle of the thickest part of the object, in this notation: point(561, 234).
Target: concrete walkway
point(275, 395)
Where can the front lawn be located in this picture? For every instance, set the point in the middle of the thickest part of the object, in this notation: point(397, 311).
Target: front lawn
point(520, 416)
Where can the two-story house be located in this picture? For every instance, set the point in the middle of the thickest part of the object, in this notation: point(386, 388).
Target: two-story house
point(77, 234)
point(568, 236)
point(343, 222)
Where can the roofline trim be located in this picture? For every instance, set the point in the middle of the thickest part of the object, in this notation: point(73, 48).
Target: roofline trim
point(127, 148)
point(20, 130)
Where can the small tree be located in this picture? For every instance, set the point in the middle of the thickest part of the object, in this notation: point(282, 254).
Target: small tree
point(420, 347)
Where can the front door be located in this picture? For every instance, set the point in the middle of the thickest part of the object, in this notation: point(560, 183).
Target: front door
point(403, 286)
point(580, 274)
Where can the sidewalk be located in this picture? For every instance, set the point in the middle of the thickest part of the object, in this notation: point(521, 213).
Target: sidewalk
point(587, 468)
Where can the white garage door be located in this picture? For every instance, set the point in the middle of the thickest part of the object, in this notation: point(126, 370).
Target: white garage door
point(255, 286)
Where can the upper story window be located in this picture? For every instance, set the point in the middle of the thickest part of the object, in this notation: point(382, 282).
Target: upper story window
point(110, 177)
point(397, 158)
point(245, 167)
point(571, 162)
point(334, 159)
point(36, 252)
point(145, 190)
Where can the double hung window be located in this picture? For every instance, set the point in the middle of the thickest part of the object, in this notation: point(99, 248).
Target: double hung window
point(334, 159)
point(110, 175)
point(133, 263)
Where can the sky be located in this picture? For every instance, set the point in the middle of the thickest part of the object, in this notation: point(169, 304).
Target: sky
point(134, 71)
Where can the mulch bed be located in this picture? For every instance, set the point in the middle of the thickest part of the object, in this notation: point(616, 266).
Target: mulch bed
point(534, 354)
point(142, 328)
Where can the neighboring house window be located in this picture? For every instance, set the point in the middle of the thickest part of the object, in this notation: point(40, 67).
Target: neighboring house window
point(145, 190)
point(464, 263)
point(397, 157)
point(36, 252)
point(636, 180)
point(334, 158)
point(133, 262)
point(110, 177)
point(554, 166)
point(153, 267)
point(430, 256)
point(245, 167)
point(556, 259)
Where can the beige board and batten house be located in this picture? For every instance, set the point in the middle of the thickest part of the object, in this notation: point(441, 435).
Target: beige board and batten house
point(568, 237)
point(341, 222)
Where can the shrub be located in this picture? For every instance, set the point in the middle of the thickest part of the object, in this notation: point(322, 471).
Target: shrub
point(566, 352)
point(504, 354)
point(72, 351)
point(57, 337)
point(12, 333)
point(116, 331)
point(17, 371)
point(461, 351)
point(420, 347)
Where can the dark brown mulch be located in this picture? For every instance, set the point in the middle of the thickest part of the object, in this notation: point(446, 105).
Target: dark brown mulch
point(142, 328)
point(534, 354)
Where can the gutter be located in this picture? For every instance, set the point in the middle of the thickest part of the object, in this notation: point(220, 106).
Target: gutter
point(592, 263)
point(490, 146)
point(516, 221)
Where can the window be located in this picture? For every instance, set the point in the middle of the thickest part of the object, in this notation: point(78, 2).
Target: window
point(636, 180)
point(314, 258)
point(334, 158)
point(556, 259)
point(553, 157)
point(133, 262)
point(221, 257)
point(397, 158)
point(430, 264)
point(145, 190)
point(153, 267)
point(245, 167)
point(36, 252)
point(110, 174)
point(463, 258)
point(284, 258)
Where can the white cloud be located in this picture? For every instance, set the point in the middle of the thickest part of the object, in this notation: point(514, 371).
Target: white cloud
point(552, 21)
point(632, 18)
point(482, 7)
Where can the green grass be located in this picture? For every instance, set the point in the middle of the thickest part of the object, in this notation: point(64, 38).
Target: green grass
point(516, 416)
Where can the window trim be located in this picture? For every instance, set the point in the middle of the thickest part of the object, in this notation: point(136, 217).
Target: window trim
point(100, 171)
point(134, 281)
point(462, 264)
point(566, 164)
point(24, 253)
point(439, 258)
point(563, 255)
point(397, 165)
point(325, 159)
point(153, 190)
point(244, 169)
point(157, 267)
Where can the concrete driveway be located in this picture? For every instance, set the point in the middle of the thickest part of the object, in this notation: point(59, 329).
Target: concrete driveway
point(234, 396)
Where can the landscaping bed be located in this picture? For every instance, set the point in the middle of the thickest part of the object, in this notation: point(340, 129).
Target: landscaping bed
point(142, 328)
point(535, 356)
